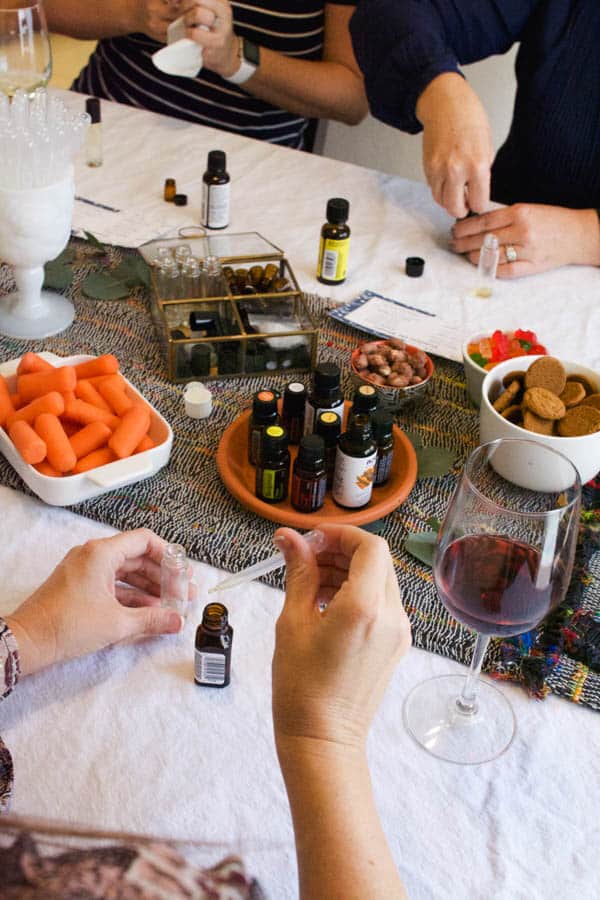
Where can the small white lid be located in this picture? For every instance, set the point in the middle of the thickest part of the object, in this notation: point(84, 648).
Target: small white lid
point(198, 400)
point(183, 58)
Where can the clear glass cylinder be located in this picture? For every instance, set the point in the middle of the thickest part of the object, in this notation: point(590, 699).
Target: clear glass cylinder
point(488, 264)
point(175, 579)
point(213, 280)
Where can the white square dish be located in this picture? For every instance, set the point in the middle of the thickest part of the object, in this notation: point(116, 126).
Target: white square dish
point(70, 489)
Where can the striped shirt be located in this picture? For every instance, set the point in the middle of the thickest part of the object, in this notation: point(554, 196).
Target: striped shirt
point(121, 69)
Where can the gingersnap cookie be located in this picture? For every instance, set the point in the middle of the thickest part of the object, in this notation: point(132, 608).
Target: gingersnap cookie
point(589, 387)
point(513, 376)
point(507, 398)
point(513, 414)
point(546, 372)
point(573, 393)
point(543, 403)
point(592, 400)
point(531, 422)
point(579, 421)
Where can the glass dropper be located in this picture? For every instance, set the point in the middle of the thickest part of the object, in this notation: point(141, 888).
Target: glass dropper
point(314, 539)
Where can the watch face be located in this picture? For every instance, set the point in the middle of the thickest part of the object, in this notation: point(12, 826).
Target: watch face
point(251, 53)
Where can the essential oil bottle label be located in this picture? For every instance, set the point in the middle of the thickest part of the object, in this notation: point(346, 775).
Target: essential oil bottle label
point(353, 479)
point(271, 484)
point(333, 259)
point(215, 205)
point(209, 668)
point(311, 414)
point(384, 467)
point(308, 495)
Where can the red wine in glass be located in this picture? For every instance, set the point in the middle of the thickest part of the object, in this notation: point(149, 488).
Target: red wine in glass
point(495, 584)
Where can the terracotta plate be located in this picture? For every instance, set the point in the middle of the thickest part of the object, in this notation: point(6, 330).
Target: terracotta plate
point(238, 477)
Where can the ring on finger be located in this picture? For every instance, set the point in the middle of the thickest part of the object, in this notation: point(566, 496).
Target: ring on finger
point(511, 253)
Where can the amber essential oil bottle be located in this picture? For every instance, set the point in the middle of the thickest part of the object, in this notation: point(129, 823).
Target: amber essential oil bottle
point(264, 413)
point(292, 411)
point(335, 243)
point(215, 191)
point(212, 657)
point(325, 395)
point(355, 463)
point(273, 467)
point(383, 425)
point(365, 400)
point(309, 475)
point(329, 427)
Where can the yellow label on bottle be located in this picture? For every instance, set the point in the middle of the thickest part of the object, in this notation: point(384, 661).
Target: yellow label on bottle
point(333, 259)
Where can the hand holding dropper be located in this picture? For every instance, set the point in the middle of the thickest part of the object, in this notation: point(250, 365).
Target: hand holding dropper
point(315, 540)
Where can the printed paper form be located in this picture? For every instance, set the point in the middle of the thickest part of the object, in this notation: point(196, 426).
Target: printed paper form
point(385, 317)
point(130, 227)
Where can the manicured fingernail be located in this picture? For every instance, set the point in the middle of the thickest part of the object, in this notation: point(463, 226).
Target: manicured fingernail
point(176, 622)
point(281, 542)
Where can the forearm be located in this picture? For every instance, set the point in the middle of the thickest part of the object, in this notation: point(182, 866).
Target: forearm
point(89, 21)
point(586, 229)
point(341, 848)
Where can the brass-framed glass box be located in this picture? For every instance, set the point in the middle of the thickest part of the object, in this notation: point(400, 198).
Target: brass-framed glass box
point(228, 305)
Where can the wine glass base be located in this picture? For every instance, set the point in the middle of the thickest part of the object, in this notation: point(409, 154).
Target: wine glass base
point(433, 719)
point(55, 314)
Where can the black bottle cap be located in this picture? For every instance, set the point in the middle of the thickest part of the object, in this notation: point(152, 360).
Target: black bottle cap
point(215, 617)
point(338, 210)
point(365, 399)
point(360, 426)
point(329, 426)
point(264, 405)
point(92, 107)
point(414, 266)
point(327, 377)
point(180, 199)
point(311, 449)
point(383, 422)
point(294, 398)
point(217, 161)
point(206, 322)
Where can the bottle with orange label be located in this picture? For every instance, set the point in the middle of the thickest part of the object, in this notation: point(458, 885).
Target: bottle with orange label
point(335, 243)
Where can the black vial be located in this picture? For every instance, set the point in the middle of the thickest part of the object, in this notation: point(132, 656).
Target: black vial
point(309, 475)
point(383, 433)
point(212, 657)
point(215, 191)
point(329, 427)
point(273, 466)
point(264, 413)
point(335, 243)
point(365, 400)
point(355, 464)
point(292, 411)
point(326, 395)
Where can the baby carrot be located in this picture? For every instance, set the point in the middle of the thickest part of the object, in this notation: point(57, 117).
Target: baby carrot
point(68, 396)
point(85, 413)
point(60, 453)
point(44, 468)
point(112, 391)
point(49, 403)
point(85, 390)
point(29, 444)
point(71, 428)
point(90, 438)
point(31, 362)
point(39, 383)
point(93, 460)
point(16, 401)
point(146, 443)
point(6, 405)
point(102, 365)
point(129, 433)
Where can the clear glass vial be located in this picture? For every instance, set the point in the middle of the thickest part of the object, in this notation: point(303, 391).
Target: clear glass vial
point(488, 263)
point(175, 579)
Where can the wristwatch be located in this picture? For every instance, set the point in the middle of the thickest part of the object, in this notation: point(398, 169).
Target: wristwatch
point(249, 54)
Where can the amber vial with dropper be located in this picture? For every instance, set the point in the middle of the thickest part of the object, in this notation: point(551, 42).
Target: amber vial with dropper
point(329, 427)
point(212, 657)
point(309, 475)
point(335, 243)
point(264, 413)
point(273, 467)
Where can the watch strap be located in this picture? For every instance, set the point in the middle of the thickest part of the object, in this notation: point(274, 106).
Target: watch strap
point(249, 61)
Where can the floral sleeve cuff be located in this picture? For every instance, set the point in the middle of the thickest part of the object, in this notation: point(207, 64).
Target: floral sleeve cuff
point(9, 675)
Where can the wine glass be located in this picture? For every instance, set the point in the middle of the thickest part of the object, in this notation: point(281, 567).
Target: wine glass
point(25, 55)
point(503, 560)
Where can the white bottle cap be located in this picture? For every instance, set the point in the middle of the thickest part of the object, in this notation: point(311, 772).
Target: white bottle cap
point(198, 400)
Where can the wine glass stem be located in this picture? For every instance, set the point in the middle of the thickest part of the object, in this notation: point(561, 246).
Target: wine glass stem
point(467, 701)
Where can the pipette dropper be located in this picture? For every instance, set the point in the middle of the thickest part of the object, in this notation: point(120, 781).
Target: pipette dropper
point(314, 539)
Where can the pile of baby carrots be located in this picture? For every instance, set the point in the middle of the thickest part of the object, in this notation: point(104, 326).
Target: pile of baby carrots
point(69, 419)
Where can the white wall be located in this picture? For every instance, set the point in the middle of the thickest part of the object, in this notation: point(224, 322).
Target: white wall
point(378, 146)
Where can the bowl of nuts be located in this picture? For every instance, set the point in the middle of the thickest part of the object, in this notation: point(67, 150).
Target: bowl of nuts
point(400, 372)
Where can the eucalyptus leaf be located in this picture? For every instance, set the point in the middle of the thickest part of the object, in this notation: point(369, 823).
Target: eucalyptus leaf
point(434, 461)
point(414, 438)
point(57, 275)
point(434, 523)
point(93, 240)
point(133, 271)
point(67, 256)
point(421, 546)
point(104, 286)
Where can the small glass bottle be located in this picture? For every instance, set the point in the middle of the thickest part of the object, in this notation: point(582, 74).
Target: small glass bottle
point(167, 278)
point(215, 192)
point(365, 400)
point(190, 274)
point(329, 427)
point(264, 413)
point(170, 189)
point(212, 656)
point(93, 139)
point(335, 243)
point(383, 432)
point(486, 268)
point(292, 411)
point(355, 463)
point(182, 252)
point(273, 466)
point(175, 579)
point(325, 395)
point(213, 282)
point(309, 475)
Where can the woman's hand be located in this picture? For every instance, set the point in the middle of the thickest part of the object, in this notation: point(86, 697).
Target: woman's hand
point(103, 592)
point(210, 24)
point(330, 668)
point(153, 17)
point(457, 145)
point(542, 237)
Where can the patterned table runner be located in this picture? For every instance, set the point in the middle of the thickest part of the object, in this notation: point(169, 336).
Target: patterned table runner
point(187, 503)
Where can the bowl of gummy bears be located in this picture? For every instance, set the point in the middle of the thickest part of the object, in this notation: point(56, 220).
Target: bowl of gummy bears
point(484, 351)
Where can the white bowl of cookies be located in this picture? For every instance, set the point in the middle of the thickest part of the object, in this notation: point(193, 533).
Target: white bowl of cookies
point(549, 401)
